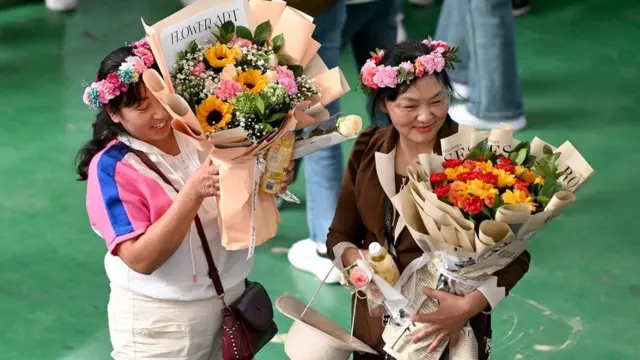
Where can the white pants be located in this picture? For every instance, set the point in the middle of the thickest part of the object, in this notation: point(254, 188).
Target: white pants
point(144, 328)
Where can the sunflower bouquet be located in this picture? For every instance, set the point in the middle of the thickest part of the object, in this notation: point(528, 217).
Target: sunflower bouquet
point(238, 77)
point(473, 211)
point(241, 80)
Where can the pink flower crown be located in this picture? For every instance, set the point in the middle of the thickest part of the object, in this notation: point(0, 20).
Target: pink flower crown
point(100, 92)
point(374, 76)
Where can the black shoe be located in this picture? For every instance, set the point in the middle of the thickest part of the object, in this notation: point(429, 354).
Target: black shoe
point(520, 7)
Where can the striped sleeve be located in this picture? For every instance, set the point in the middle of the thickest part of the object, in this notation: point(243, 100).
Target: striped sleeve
point(118, 210)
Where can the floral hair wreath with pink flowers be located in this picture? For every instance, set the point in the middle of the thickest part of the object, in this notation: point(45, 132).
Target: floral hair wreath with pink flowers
point(101, 92)
point(374, 76)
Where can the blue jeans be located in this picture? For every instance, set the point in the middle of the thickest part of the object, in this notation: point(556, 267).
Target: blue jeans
point(323, 169)
point(372, 25)
point(485, 34)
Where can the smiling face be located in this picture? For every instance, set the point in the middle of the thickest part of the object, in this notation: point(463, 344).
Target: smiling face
point(419, 112)
point(147, 121)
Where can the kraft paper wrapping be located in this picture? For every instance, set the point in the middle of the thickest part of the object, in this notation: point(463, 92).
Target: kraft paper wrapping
point(455, 265)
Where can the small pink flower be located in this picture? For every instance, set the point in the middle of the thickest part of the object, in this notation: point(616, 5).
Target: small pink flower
point(227, 90)
point(242, 42)
point(358, 278)
point(113, 79)
point(85, 97)
point(439, 46)
point(109, 90)
point(407, 66)
point(137, 63)
point(427, 62)
point(143, 44)
point(438, 61)
point(103, 91)
point(367, 73)
point(386, 76)
point(145, 54)
point(198, 69)
point(426, 42)
point(287, 79)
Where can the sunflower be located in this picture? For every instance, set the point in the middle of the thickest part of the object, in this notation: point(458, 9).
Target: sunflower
point(253, 80)
point(220, 55)
point(214, 114)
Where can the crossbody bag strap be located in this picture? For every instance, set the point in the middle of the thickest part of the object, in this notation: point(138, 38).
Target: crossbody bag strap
point(389, 219)
point(213, 271)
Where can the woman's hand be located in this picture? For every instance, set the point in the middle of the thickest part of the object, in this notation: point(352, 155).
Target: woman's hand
point(205, 182)
point(453, 313)
point(289, 178)
point(351, 255)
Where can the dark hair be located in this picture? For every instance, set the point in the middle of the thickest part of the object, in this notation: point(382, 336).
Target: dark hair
point(104, 128)
point(404, 51)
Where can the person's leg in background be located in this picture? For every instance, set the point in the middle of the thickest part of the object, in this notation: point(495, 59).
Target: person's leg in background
point(323, 169)
point(372, 25)
point(452, 28)
point(495, 94)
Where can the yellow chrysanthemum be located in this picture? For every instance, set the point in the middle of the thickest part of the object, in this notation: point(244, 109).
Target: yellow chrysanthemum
point(214, 114)
point(253, 80)
point(220, 55)
point(518, 197)
point(484, 165)
point(452, 173)
point(505, 178)
point(481, 189)
point(531, 177)
point(520, 171)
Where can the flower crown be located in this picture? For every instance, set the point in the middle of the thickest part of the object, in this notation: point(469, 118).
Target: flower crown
point(374, 76)
point(100, 92)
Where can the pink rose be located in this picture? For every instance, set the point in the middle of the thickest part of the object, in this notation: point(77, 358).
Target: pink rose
point(142, 44)
point(367, 73)
point(407, 66)
point(137, 63)
point(145, 54)
point(198, 69)
point(287, 79)
point(438, 61)
point(427, 62)
point(113, 79)
point(386, 76)
point(439, 46)
point(358, 278)
point(227, 90)
point(242, 42)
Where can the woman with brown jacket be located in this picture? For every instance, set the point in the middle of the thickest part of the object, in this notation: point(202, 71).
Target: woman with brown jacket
point(410, 83)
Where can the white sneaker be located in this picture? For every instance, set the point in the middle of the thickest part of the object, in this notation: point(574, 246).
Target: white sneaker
point(61, 5)
point(304, 256)
point(460, 91)
point(422, 2)
point(402, 32)
point(460, 114)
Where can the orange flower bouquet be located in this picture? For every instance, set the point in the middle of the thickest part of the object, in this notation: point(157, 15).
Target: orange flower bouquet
point(473, 210)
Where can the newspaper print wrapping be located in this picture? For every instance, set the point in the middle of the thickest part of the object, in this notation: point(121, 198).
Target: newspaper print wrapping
point(461, 259)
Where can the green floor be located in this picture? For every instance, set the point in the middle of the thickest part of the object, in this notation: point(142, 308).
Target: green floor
point(579, 69)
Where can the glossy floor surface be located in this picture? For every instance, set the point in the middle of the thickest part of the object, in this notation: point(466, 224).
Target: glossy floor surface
point(579, 68)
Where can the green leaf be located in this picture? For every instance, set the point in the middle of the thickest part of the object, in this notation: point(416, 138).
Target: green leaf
point(228, 27)
point(487, 212)
point(244, 33)
point(546, 150)
point(297, 70)
point(522, 156)
point(262, 33)
point(284, 59)
point(276, 117)
point(260, 106)
point(543, 200)
point(497, 202)
point(193, 47)
point(277, 42)
point(267, 127)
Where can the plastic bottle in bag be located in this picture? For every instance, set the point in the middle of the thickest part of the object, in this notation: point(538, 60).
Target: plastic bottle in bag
point(277, 161)
point(383, 263)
